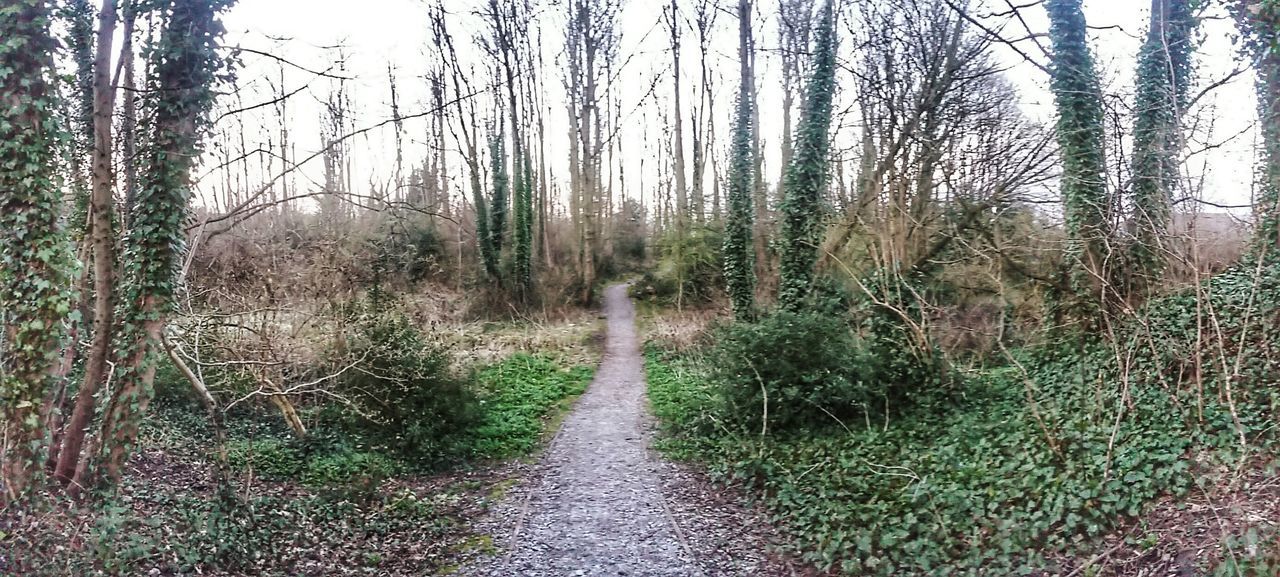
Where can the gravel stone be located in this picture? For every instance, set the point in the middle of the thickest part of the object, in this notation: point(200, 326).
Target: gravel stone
point(600, 502)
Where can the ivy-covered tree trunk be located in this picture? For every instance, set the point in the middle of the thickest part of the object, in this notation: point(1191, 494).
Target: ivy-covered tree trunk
point(1164, 71)
point(522, 252)
point(497, 199)
point(1074, 83)
point(738, 254)
point(78, 18)
point(806, 176)
point(185, 64)
point(34, 258)
point(483, 242)
point(1259, 22)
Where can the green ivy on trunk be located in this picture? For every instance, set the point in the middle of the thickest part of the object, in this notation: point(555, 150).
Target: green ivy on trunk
point(806, 177)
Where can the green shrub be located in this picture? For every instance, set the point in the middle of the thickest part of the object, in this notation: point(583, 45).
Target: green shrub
point(407, 397)
point(687, 270)
point(796, 369)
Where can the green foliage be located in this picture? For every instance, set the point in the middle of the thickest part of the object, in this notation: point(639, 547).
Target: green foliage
point(355, 474)
point(1254, 553)
point(77, 16)
point(186, 67)
point(34, 258)
point(1163, 81)
point(407, 396)
point(1074, 82)
point(739, 259)
point(1032, 463)
point(804, 183)
point(190, 534)
point(814, 370)
point(270, 458)
point(498, 198)
point(796, 369)
point(518, 395)
point(687, 270)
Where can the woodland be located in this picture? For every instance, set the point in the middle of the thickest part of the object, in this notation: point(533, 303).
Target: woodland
point(268, 311)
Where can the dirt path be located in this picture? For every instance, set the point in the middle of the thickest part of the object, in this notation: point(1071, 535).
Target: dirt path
point(603, 503)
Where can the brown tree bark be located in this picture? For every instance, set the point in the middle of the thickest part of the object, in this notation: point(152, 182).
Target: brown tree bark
point(682, 194)
point(101, 208)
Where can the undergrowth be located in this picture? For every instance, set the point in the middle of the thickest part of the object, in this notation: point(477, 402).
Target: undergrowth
point(1028, 466)
point(341, 496)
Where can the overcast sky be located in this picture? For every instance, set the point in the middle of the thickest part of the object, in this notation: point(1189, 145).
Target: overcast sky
point(376, 34)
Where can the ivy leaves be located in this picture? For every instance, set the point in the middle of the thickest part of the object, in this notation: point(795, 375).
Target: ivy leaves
point(805, 180)
point(34, 252)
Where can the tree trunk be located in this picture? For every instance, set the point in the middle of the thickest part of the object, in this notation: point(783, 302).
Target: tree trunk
point(185, 74)
point(682, 194)
point(33, 256)
point(101, 209)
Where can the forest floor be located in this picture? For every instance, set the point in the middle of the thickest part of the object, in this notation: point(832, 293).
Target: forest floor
point(601, 503)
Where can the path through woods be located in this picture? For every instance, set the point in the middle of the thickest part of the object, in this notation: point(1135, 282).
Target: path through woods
point(603, 504)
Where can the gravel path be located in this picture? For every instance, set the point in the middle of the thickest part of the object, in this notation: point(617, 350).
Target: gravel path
point(601, 502)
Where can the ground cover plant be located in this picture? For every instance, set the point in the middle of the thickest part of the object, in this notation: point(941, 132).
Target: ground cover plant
point(1038, 459)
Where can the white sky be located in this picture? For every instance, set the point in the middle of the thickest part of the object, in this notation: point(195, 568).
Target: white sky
point(378, 33)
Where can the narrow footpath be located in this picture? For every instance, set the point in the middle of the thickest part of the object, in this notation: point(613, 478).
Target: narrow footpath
point(603, 504)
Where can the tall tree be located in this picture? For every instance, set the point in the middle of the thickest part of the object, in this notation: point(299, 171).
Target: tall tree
point(1164, 73)
point(468, 125)
point(795, 26)
point(1086, 205)
point(591, 45)
point(185, 64)
point(703, 128)
point(1259, 21)
point(738, 255)
point(507, 20)
point(34, 260)
point(681, 185)
point(806, 176)
point(102, 239)
point(498, 196)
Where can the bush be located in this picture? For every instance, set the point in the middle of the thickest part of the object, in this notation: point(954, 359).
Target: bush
point(407, 397)
point(798, 369)
point(815, 367)
point(688, 269)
